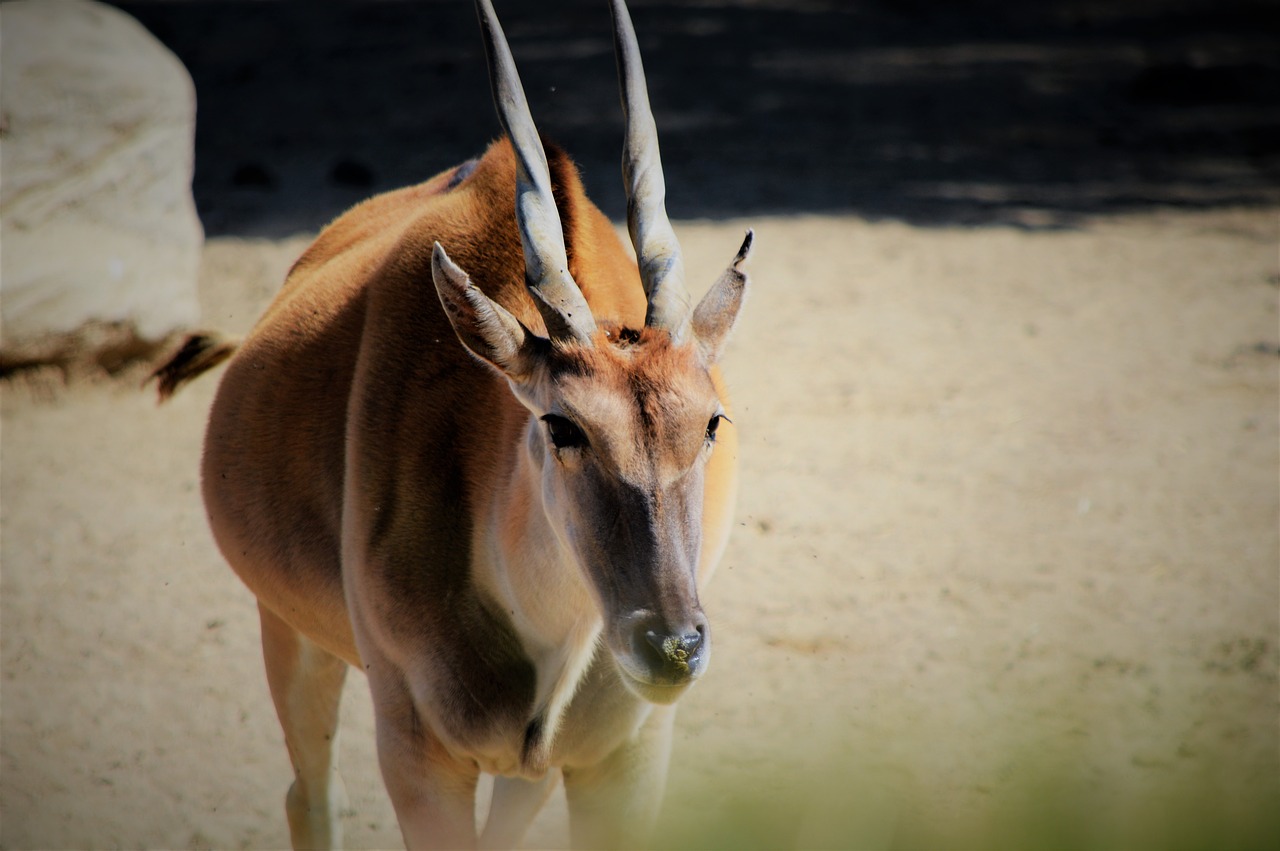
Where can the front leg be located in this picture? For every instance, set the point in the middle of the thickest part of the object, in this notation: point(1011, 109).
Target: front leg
point(515, 804)
point(614, 803)
point(432, 791)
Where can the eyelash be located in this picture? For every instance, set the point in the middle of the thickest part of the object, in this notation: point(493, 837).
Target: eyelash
point(713, 425)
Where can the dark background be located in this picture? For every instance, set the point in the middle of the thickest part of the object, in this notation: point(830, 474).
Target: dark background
point(1031, 113)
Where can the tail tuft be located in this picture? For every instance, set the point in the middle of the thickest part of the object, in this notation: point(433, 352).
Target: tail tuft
point(199, 354)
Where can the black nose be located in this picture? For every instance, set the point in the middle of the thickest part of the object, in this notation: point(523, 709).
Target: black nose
point(676, 649)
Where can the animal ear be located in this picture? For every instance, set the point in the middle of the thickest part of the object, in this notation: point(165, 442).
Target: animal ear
point(715, 315)
point(486, 328)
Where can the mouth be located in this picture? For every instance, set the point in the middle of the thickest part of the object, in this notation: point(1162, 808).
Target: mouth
point(661, 693)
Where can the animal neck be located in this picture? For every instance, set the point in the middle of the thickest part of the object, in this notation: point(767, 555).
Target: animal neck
point(528, 572)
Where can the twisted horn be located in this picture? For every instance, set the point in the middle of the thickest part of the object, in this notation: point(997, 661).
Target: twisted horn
point(556, 295)
point(658, 252)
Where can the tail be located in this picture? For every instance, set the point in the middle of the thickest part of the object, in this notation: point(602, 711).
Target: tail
point(199, 354)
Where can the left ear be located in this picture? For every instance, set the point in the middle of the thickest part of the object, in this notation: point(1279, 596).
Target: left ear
point(486, 328)
point(715, 315)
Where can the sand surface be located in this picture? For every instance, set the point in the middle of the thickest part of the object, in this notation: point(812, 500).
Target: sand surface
point(1009, 510)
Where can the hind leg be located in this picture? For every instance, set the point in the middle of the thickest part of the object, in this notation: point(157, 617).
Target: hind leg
point(306, 686)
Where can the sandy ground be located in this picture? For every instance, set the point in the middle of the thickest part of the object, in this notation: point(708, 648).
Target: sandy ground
point(1008, 518)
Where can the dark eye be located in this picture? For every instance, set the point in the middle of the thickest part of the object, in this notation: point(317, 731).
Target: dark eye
point(564, 434)
point(712, 426)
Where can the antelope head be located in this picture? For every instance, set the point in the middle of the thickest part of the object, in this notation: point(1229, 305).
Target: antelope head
point(622, 421)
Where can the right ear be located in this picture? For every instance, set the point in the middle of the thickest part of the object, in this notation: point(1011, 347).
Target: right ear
point(486, 328)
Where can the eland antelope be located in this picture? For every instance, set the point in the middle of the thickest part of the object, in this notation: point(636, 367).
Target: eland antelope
point(498, 496)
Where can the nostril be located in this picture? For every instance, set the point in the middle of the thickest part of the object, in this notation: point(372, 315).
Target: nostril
point(674, 649)
point(692, 641)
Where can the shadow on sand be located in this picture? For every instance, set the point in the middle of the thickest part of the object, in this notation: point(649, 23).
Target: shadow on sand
point(934, 113)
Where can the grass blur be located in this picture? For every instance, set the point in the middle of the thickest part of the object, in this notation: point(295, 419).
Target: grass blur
point(1040, 808)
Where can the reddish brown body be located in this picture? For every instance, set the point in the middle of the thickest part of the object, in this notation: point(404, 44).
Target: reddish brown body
point(495, 491)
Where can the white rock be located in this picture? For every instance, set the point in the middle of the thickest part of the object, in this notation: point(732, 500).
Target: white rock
point(97, 222)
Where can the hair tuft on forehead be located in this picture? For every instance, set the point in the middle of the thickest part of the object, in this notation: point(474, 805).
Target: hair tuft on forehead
point(625, 350)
